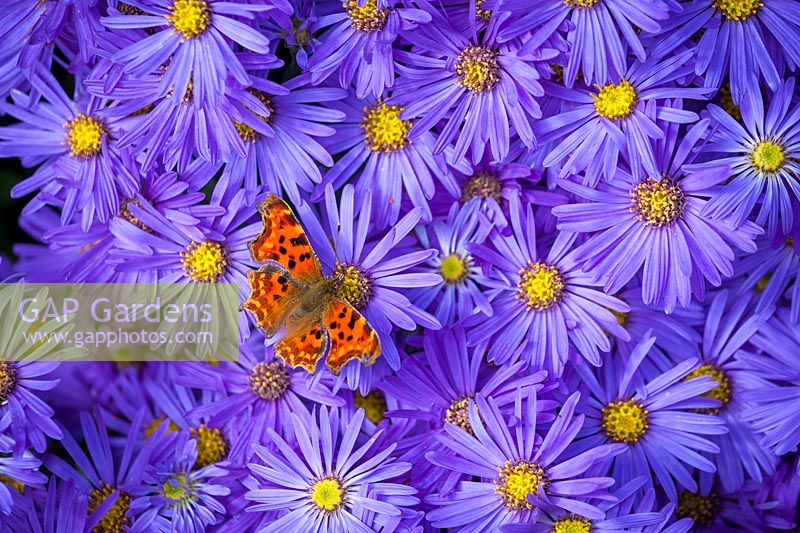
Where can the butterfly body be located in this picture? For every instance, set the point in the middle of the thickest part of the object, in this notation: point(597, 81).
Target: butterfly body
point(290, 295)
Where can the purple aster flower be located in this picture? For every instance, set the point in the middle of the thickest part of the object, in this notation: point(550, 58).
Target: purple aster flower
point(657, 225)
point(329, 482)
point(176, 495)
point(516, 473)
point(63, 509)
point(359, 44)
point(285, 156)
point(651, 413)
point(773, 391)
point(481, 89)
point(369, 274)
point(253, 394)
point(601, 32)
point(380, 158)
point(193, 38)
point(544, 304)
point(76, 144)
point(748, 40)
point(761, 156)
point(436, 387)
point(18, 469)
point(461, 294)
point(618, 118)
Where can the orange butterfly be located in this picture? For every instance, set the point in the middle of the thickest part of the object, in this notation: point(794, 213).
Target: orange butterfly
point(291, 293)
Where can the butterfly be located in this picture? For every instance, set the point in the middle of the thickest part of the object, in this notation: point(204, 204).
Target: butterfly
point(289, 293)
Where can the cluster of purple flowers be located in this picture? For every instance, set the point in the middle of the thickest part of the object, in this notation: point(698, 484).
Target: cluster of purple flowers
point(570, 222)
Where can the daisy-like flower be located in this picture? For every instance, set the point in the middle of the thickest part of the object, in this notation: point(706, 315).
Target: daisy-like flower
point(748, 40)
point(773, 393)
point(75, 142)
point(380, 158)
point(763, 156)
point(192, 37)
point(63, 508)
point(359, 44)
point(516, 473)
point(176, 495)
point(657, 225)
point(461, 293)
point(546, 304)
point(18, 469)
point(285, 157)
point(254, 394)
point(618, 118)
point(773, 272)
point(437, 386)
point(368, 275)
point(652, 415)
point(602, 32)
point(329, 482)
point(483, 90)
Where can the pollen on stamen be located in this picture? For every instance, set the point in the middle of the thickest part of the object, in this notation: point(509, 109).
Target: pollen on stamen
point(179, 490)
point(352, 284)
point(481, 13)
point(455, 269)
point(8, 380)
point(738, 10)
point(458, 413)
point(247, 133)
point(116, 519)
point(211, 446)
point(581, 3)
point(541, 286)
point(616, 102)
point(125, 213)
point(721, 392)
point(190, 18)
point(482, 185)
point(517, 479)
point(701, 509)
point(269, 381)
point(328, 494)
point(384, 130)
point(477, 68)
point(768, 156)
point(373, 404)
point(367, 17)
point(625, 421)
point(572, 524)
point(85, 136)
point(205, 262)
point(657, 203)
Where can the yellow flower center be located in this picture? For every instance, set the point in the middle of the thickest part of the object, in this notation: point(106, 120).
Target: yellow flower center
point(247, 133)
point(726, 102)
point(153, 426)
point(541, 286)
point(351, 283)
point(657, 203)
point(179, 490)
point(328, 494)
point(384, 130)
point(701, 509)
point(458, 413)
point(482, 185)
point(8, 380)
point(615, 102)
point(454, 269)
point(190, 18)
point(205, 262)
point(517, 479)
point(269, 381)
point(367, 17)
point(480, 13)
point(572, 524)
point(738, 10)
point(622, 318)
point(625, 421)
point(211, 446)
point(373, 404)
point(85, 136)
point(13, 483)
point(581, 3)
point(721, 392)
point(768, 156)
point(477, 68)
point(125, 212)
point(115, 520)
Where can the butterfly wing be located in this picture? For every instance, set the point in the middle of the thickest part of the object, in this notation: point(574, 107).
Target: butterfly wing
point(283, 241)
point(303, 346)
point(351, 336)
point(272, 297)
